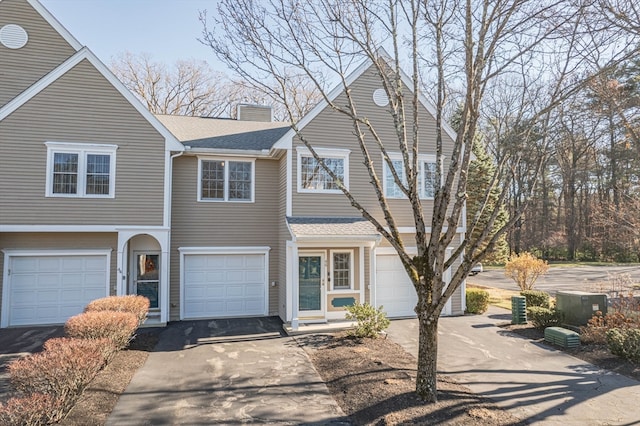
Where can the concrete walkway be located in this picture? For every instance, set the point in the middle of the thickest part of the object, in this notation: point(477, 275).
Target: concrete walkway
point(536, 383)
point(226, 372)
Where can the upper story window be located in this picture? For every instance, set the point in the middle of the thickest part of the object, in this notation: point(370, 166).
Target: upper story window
point(80, 170)
point(223, 179)
point(312, 177)
point(426, 176)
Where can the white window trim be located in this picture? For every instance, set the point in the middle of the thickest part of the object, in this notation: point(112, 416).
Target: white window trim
point(303, 151)
point(422, 158)
point(351, 271)
point(226, 179)
point(82, 149)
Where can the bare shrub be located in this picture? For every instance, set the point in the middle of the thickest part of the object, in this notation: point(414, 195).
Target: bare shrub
point(137, 305)
point(596, 329)
point(615, 285)
point(116, 326)
point(104, 346)
point(62, 372)
point(32, 410)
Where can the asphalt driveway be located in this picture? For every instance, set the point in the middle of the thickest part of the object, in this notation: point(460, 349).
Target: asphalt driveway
point(226, 372)
point(17, 342)
point(535, 382)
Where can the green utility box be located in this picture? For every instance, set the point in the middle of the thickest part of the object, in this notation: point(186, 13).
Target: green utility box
point(562, 337)
point(578, 306)
point(518, 310)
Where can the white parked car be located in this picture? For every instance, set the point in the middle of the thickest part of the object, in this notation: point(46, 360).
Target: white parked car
point(477, 268)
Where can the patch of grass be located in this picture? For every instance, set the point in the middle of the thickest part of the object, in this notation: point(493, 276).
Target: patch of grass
point(497, 296)
point(575, 264)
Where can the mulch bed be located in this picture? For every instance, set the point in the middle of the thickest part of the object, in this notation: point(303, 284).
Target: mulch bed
point(373, 381)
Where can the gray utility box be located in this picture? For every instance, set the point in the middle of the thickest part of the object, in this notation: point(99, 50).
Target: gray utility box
point(578, 306)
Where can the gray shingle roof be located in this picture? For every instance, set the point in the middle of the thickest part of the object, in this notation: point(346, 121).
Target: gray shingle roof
point(336, 226)
point(257, 140)
point(224, 133)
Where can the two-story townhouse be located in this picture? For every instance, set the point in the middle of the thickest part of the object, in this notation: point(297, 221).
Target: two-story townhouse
point(85, 178)
point(214, 218)
point(289, 243)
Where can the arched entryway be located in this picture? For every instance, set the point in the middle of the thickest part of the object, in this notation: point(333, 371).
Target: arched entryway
point(144, 267)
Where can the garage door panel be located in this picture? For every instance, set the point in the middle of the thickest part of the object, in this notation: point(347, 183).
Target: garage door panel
point(48, 289)
point(394, 289)
point(214, 292)
point(229, 285)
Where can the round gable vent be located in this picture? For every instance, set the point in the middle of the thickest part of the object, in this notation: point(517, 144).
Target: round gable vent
point(13, 36)
point(380, 98)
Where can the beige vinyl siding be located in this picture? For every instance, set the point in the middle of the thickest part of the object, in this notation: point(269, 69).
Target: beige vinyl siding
point(61, 241)
point(332, 130)
point(81, 107)
point(45, 50)
point(283, 236)
point(224, 224)
point(459, 295)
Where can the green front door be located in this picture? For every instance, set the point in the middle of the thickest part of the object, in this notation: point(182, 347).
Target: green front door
point(311, 284)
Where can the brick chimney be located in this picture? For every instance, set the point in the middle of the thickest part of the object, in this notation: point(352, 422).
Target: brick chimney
point(248, 112)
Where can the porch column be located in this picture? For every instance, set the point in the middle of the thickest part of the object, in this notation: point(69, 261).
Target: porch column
point(295, 275)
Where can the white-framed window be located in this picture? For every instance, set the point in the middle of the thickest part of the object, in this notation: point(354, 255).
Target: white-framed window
point(341, 269)
point(426, 176)
point(312, 177)
point(80, 170)
point(226, 179)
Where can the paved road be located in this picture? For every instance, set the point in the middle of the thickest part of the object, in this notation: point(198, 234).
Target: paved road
point(582, 278)
point(538, 384)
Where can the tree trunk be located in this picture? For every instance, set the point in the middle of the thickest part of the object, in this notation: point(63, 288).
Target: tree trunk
point(427, 359)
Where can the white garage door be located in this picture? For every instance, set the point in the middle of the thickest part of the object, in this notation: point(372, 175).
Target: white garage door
point(394, 289)
point(224, 285)
point(50, 289)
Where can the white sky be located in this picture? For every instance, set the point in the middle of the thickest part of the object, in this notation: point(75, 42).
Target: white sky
point(166, 29)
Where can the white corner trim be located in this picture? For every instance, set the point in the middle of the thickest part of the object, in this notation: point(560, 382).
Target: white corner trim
point(289, 189)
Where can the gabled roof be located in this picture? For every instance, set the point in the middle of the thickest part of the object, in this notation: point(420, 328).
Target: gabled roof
point(69, 38)
point(286, 140)
point(188, 128)
point(171, 144)
point(348, 228)
point(256, 140)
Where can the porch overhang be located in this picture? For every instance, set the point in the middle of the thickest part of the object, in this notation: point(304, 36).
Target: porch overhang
point(332, 229)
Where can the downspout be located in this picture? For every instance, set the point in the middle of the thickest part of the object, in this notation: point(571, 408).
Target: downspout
point(167, 304)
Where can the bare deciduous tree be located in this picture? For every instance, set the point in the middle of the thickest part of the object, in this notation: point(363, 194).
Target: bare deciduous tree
point(464, 47)
point(188, 87)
